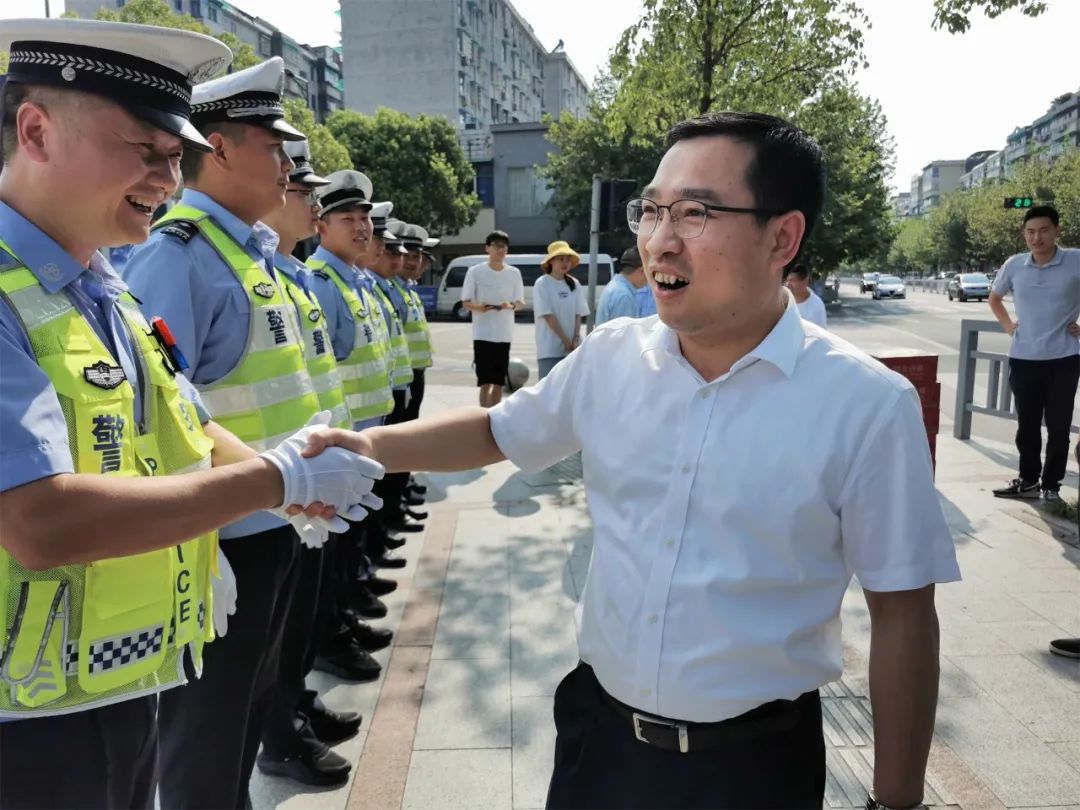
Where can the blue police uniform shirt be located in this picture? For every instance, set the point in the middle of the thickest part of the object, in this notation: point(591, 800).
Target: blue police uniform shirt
point(35, 435)
point(199, 296)
point(646, 302)
point(619, 300)
point(396, 301)
point(339, 319)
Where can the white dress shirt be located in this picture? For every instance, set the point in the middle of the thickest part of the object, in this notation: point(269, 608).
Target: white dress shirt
point(813, 310)
point(727, 530)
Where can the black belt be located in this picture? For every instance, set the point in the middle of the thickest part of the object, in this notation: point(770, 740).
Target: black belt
point(676, 735)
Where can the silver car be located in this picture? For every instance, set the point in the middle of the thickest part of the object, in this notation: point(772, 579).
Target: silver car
point(889, 287)
point(965, 286)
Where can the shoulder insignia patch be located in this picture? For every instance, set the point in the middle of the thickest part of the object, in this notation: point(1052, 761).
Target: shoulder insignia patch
point(264, 289)
point(103, 375)
point(314, 315)
point(181, 229)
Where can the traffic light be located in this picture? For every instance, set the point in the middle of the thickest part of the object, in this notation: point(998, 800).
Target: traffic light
point(614, 194)
point(1019, 202)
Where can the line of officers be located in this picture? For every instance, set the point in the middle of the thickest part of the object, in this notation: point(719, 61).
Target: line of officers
point(269, 342)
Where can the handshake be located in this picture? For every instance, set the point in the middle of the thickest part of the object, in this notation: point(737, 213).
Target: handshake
point(338, 478)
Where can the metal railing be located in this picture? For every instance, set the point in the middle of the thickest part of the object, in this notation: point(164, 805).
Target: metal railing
point(998, 400)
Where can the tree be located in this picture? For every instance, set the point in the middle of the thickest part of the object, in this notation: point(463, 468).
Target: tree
point(955, 15)
point(158, 12)
point(327, 154)
point(417, 162)
point(787, 57)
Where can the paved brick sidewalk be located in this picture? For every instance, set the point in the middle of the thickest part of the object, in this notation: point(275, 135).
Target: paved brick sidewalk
point(484, 618)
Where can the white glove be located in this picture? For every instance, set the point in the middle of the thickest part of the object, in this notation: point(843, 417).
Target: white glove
point(314, 532)
point(224, 594)
point(337, 477)
point(408, 396)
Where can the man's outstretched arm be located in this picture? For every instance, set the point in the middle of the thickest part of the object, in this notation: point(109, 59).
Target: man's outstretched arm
point(457, 440)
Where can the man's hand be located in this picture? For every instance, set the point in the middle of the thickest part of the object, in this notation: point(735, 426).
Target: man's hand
point(506, 305)
point(575, 342)
point(1073, 329)
point(1012, 326)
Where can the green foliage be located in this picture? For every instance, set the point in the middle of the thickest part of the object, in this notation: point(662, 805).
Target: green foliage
point(327, 154)
point(973, 228)
point(787, 57)
point(158, 12)
point(955, 15)
point(416, 161)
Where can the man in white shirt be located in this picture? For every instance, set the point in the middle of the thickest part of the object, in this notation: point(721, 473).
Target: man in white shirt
point(493, 292)
point(811, 307)
point(711, 613)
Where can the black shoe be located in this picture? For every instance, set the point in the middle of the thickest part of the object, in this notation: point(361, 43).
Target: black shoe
point(392, 542)
point(379, 586)
point(370, 638)
point(388, 560)
point(412, 500)
point(415, 515)
point(416, 488)
point(403, 524)
point(1019, 489)
point(350, 664)
point(333, 727)
point(318, 766)
point(1051, 497)
point(1068, 647)
point(363, 602)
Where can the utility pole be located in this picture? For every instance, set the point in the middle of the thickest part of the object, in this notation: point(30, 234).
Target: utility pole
point(47, 15)
point(594, 249)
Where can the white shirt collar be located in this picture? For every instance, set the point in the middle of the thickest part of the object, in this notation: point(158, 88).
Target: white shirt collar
point(780, 348)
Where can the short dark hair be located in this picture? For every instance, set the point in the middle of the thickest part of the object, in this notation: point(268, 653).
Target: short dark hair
point(497, 236)
point(15, 94)
point(799, 271)
point(630, 260)
point(787, 171)
point(1040, 211)
point(192, 162)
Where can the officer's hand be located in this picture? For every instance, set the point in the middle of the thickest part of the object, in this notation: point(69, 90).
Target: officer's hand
point(224, 594)
point(1073, 329)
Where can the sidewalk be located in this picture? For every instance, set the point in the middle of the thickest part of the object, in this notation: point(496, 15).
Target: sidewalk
point(485, 630)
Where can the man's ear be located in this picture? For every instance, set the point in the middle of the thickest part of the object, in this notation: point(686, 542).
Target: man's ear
point(222, 150)
point(37, 130)
point(787, 237)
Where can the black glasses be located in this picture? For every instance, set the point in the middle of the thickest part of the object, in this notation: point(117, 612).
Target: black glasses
point(310, 196)
point(688, 217)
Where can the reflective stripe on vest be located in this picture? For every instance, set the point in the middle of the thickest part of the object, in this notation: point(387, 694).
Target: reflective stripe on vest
point(81, 636)
point(417, 334)
point(269, 393)
point(365, 373)
point(319, 353)
point(401, 374)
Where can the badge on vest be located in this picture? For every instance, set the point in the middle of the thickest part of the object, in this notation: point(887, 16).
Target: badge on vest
point(103, 375)
point(314, 315)
point(264, 289)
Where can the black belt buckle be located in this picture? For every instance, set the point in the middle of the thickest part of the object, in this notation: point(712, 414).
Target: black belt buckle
point(684, 736)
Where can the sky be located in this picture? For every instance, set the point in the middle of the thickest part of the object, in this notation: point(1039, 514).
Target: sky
point(945, 96)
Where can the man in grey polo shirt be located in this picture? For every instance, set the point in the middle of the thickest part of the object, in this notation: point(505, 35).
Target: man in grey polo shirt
point(1044, 356)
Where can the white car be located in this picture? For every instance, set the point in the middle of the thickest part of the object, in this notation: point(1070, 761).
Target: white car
point(889, 287)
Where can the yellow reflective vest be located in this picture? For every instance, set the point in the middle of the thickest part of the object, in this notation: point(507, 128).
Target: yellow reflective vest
point(269, 395)
point(417, 333)
point(365, 373)
point(81, 636)
point(319, 353)
point(401, 373)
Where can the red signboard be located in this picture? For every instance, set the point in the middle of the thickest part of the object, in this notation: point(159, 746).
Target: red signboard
point(921, 371)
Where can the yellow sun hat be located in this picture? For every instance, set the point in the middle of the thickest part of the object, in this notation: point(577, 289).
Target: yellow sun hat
point(561, 248)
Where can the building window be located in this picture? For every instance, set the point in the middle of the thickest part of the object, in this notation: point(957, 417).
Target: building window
point(936, 171)
point(196, 8)
point(119, 3)
point(179, 5)
point(211, 12)
point(529, 194)
point(264, 44)
point(485, 184)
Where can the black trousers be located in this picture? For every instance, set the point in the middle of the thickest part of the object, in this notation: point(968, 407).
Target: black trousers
point(281, 737)
point(600, 764)
point(392, 486)
point(210, 729)
point(98, 758)
point(1044, 391)
point(416, 395)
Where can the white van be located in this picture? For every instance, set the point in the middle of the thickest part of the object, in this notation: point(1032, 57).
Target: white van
point(449, 298)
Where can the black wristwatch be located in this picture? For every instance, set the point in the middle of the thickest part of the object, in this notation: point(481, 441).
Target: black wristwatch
point(874, 804)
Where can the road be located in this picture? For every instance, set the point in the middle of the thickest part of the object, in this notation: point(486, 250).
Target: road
point(925, 322)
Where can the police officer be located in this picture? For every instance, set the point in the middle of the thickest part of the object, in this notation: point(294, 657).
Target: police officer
point(300, 728)
point(360, 343)
point(209, 268)
point(105, 591)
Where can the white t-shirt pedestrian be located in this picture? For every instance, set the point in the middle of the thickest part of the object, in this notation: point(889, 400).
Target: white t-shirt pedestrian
point(483, 285)
point(554, 297)
point(813, 310)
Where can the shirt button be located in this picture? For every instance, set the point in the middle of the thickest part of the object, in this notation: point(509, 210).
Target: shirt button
point(653, 618)
point(704, 394)
point(646, 692)
point(670, 542)
point(686, 469)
